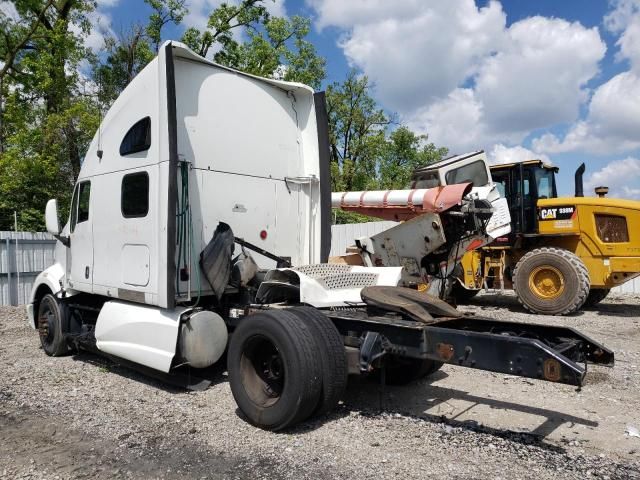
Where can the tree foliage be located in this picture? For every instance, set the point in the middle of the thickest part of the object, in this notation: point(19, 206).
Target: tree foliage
point(366, 152)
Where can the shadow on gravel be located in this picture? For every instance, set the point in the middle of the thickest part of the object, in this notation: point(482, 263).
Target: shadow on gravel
point(616, 309)
point(175, 383)
point(415, 400)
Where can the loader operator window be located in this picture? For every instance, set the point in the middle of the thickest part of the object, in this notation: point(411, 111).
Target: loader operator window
point(134, 199)
point(475, 172)
point(80, 204)
point(544, 182)
point(138, 138)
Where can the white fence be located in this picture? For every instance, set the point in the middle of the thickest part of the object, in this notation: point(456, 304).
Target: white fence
point(23, 255)
point(343, 236)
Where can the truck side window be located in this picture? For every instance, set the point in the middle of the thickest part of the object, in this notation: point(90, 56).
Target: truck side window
point(138, 138)
point(134, 198)
point(80, 204)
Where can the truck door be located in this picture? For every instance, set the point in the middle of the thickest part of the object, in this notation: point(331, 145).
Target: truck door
point(80, 266)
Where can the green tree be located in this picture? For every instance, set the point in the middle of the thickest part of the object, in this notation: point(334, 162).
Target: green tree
point(356, 133)
point(404, 152)
point(366, 153)
point(276, 46)
point(164, 12)
point(44, 113)
point(126, 55)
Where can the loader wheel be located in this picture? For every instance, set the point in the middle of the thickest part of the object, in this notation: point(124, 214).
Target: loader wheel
point(50, 319)
point(274, 373)
point(333, 358)
point(402, 370)
point(596, 295)
point(551, 281)
point(462, 294)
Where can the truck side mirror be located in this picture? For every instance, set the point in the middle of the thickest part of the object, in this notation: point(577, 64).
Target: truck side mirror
point(51, 217)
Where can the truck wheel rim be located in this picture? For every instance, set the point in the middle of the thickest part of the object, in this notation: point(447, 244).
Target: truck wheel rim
point(546, 282)
point(45, 325)
point(262, 371)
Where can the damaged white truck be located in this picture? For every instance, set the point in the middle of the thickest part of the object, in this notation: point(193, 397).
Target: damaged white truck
point(199, 225)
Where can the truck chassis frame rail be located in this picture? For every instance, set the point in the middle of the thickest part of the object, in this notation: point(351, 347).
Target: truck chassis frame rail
point(528, 350)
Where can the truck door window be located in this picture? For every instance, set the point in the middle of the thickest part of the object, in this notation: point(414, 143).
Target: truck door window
point(134, 199)
point(80, 204)
point(138, 138)
point(475, 172)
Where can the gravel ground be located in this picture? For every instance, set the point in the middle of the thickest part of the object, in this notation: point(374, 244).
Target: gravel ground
point(84, 417)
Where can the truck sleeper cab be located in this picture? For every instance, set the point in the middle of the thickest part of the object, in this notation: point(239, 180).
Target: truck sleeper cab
point(202, 209)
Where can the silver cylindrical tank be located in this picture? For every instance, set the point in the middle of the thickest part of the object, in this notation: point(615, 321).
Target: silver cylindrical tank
point(203, 338)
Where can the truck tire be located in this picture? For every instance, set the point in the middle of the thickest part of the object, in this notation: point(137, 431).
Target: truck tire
point(551, 281)
point(596, 295)
point(333, 357)
point(274, 373)
point(51, 317)
point(402, 371)
point(462, 294)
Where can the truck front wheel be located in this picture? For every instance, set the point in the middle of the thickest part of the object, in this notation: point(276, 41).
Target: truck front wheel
point(274, 371)
point(50, 321)
point(551, 281)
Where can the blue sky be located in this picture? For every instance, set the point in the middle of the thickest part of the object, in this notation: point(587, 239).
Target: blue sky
point(558, 80)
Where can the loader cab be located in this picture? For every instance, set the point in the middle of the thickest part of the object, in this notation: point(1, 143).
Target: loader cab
point(523, 184)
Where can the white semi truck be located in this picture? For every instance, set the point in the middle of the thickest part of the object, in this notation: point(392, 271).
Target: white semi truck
point(199, 225)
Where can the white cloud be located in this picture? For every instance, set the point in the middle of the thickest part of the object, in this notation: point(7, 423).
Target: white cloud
point(612, 123)
point(9, 10)
point(502, 154)
point(415, 52)
point(629, 44)
point(448, 67)
point(621, 14)
point(619, 176)
point(537, 78)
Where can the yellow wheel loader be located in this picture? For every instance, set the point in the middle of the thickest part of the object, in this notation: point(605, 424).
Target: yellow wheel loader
point(562, 253)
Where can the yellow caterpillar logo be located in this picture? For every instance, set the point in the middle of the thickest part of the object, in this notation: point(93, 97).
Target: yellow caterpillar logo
point(548, 213)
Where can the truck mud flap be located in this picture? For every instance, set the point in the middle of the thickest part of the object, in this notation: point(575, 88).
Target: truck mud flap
point(556, 354)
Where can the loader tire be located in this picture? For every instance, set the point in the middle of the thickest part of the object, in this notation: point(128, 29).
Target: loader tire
point(333, 357)
point(51, 318)
point(551, 281)
point(402, 370)
point(274, 373)
point(462, 294)
point(596, 295)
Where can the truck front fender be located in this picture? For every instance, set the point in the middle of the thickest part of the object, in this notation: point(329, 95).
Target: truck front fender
point(47, 282)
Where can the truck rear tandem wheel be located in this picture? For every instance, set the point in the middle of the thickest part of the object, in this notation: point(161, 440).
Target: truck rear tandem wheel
point(274, 372)
point(551, 281)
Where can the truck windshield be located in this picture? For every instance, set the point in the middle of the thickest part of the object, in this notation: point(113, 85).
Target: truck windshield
point(475, 172)
point(545, 184)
